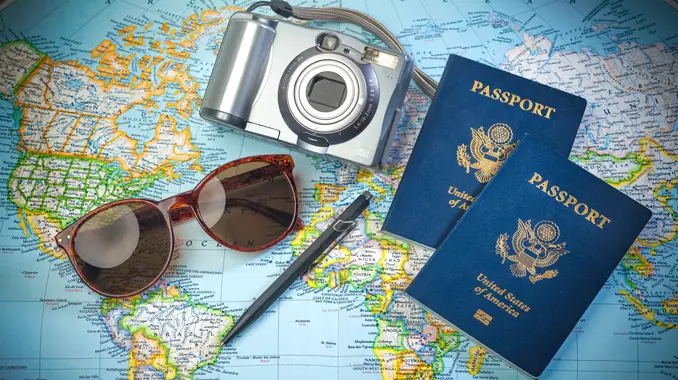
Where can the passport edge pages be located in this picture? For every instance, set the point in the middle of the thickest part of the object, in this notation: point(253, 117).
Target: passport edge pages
point(454, 123)
point(583, 295)
point(473, 339)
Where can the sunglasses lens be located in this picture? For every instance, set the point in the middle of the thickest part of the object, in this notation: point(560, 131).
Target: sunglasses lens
point(123, 248)
point(249, 206)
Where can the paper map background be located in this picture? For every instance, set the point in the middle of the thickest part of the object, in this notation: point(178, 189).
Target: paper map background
point(99, 100)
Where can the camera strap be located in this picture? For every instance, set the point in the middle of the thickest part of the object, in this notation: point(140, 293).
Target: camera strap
point(427, 84)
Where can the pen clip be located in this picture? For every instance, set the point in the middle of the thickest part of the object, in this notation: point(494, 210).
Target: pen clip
point(346, 228)
point(343, 226)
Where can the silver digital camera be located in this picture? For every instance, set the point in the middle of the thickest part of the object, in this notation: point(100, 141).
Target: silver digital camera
point(319, 90)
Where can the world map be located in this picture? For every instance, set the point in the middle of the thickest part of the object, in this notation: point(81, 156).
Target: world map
point(99, 101)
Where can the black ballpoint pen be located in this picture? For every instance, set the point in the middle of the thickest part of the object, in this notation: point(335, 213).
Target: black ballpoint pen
point(329, 239)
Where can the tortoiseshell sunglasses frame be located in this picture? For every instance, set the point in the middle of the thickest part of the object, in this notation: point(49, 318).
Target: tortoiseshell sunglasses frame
point(183, 207)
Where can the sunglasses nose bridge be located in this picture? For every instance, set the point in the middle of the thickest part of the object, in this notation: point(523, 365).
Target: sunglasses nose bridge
point(182, 200)
point(176, 202)
point(179, 207)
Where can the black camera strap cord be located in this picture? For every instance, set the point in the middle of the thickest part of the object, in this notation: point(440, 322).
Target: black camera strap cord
point(427, 84)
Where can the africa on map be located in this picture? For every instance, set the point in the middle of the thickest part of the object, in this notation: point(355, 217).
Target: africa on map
point(99, 101)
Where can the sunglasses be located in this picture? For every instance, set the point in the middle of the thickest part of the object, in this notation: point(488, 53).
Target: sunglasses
point(122, 248)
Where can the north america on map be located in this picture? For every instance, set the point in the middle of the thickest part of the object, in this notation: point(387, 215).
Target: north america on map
point(99, 101)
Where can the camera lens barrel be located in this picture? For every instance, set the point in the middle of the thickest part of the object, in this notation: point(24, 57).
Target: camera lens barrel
point(239, 71)
point(328, 96)
point(351, 81)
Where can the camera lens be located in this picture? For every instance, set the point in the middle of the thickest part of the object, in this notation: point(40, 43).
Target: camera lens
point(327, 98)
point(326, 91)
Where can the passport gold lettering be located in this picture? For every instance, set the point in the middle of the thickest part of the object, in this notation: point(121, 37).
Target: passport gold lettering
point(517, 302)
point(552, 192)
point(492, 292)
point(485, 91)
point(505, 307)
point(463, 201)
point(591, 217)
point(581, 209)
point(538, 108)
point(512, 99)
point(561, 196)
point(490, 284)
point(570, 201)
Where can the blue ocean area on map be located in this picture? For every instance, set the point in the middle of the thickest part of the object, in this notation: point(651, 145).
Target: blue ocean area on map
point(672, 195)
point(114, 88)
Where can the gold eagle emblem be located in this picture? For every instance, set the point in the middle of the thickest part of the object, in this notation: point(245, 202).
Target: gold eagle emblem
point(489, 150)
point(534, 248)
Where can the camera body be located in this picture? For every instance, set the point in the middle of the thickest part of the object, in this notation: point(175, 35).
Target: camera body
point(318, 90)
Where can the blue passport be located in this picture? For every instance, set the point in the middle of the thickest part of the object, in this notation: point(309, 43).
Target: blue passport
point(477, 117)
point(522, 265)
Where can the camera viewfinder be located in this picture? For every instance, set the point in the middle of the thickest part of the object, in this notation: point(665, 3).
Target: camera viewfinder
point(328, 42)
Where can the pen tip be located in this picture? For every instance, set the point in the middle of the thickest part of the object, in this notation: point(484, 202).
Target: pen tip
point(367, 195)
point(230, 335)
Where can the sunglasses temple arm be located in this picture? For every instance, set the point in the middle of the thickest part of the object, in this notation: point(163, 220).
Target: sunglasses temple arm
point(266, 173)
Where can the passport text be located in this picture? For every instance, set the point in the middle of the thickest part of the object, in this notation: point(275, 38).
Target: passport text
point(567, 200)
point(512, 99)
point(492, 291)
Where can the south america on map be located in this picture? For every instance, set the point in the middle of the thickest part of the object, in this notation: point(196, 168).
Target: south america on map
point(99, 101)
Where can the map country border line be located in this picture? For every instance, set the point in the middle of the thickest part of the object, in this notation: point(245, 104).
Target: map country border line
point(112, 118)
point(593, 155)
point(166, 297)
point(645, 165)
point(71, 159)
point(68, 170)
point(101, 148)
point(32, 69)
point(644, 144)
point(43, 134)
point(635, 261)
point(164, 366)
point(89, 76)
point(70, 134)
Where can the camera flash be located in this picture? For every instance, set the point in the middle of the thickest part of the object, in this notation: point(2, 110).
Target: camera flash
point(379, 57)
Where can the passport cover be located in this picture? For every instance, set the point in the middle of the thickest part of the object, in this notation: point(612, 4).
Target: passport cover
point(478, 115)
point(523, 264)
